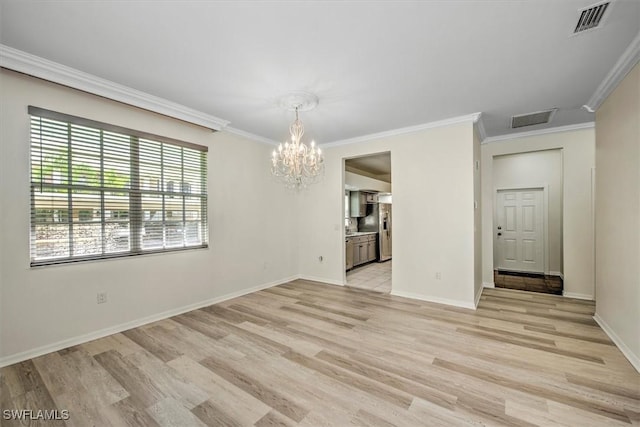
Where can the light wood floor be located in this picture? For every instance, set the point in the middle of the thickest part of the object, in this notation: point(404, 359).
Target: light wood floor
point(311, 354)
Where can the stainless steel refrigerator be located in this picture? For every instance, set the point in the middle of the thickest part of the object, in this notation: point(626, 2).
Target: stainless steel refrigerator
point(384, 236)
point(379, 219)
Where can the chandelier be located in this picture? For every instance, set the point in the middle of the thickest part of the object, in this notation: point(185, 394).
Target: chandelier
point(295, 163)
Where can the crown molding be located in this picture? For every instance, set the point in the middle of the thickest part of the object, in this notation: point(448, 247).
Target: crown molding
point(627, 61)
point(17, 60)
point(558, 129)
point(482, 133)
point(410, 129)
point(251, 136)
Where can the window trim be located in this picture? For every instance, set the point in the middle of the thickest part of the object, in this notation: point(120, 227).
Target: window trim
point(135, 209)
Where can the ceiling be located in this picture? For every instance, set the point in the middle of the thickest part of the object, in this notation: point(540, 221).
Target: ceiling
point(375, 65)
point(377, 166)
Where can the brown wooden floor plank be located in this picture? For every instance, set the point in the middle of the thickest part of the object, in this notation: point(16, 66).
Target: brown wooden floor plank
point(533, 346)
point(489, 410)
point(133, 415)
point(274, 419)
point(594, 407)
point(136, 382)
point(194, 320)
point(238, 404)
point(248, 308)
point(580, 337)
point(152, 345)
point(34, 400)
point(169, 412)
point(397, 398)
point(261, 392)
point(213, 415)
point(418, 390)
point(168, 380)
point(617, 389)
point(311, 314)
point(364, 418)
point(232, 316)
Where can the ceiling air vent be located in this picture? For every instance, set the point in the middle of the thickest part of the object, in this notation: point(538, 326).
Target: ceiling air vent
point(590, 17)
point(531, 119)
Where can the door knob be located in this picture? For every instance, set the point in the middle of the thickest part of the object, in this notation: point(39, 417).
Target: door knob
point(499, 234)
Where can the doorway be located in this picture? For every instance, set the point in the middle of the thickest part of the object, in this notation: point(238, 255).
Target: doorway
point(368, 222)
point(527, 221)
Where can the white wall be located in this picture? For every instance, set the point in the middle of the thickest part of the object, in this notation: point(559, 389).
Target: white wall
point(361, 182)
point(252, 240)
point(534, 169)
point(433, 218)
point(477, 217)
point(618, 216)
point(578, 158)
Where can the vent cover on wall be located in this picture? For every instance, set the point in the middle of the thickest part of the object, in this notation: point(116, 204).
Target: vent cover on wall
point(591, 17)
point(531, 119)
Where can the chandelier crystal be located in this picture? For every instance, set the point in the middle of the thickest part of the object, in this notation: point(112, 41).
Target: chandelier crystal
point(295, 163)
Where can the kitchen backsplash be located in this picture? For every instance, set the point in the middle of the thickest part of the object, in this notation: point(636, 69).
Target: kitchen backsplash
point(353, 225)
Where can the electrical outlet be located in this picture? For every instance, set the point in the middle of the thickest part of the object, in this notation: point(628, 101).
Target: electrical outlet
point(438, 275)
point(320, 258)
point(102, 297)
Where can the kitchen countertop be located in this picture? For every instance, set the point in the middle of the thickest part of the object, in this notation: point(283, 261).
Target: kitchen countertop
point(360, 233)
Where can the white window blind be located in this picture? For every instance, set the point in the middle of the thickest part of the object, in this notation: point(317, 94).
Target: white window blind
point(101, 191)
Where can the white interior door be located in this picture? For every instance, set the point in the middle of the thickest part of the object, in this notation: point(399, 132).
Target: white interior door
point(519, 230)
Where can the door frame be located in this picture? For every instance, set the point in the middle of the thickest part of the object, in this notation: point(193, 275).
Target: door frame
point(343, 233)
point(545, 219)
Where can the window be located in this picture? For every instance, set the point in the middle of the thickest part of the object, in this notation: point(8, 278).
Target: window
point(101, 191)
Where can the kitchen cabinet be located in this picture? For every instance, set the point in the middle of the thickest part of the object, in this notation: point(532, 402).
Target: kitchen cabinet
point(349, 254)
point(359, 252)
point(371, 248)
point(364, 252)
point(358, 204)
point(356, 254)
point(364, 249)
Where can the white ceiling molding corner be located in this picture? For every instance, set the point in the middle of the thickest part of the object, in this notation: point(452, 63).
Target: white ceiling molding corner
point(627, 61)
point(482, 133)
point(17, 60)
point(506, 137)
point(250, 136)
point(473, 118)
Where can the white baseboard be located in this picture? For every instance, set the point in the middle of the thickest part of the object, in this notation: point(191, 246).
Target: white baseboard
point(321, 280)
point(626, 351)
point(488, 285)
point(81, 339)
point(577, 296)
point(476, 300)
point(456, 303)
point(556, 273)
